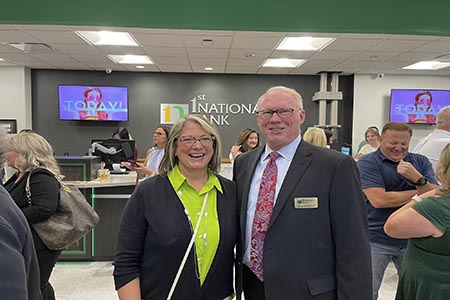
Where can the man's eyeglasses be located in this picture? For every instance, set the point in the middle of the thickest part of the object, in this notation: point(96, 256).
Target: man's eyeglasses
point(190, 140)
point(283, 113)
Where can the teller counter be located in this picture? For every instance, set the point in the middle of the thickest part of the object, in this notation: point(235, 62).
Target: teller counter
point(108, 198)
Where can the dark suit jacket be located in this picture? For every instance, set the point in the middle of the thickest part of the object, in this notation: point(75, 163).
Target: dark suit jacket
point(312, 253)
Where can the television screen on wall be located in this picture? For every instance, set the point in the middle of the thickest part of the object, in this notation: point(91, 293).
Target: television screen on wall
point(93, 103)
point(416, 106)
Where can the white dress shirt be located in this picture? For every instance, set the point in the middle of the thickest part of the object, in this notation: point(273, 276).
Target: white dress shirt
point(283, 161)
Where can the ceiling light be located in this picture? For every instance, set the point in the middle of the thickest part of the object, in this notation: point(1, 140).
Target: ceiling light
point(283, 63)
point(1, 59)
point(100, 38)
point(427, 65)
point(304, 43)
point(131, 59)
point(140, 67)
point(208, 69)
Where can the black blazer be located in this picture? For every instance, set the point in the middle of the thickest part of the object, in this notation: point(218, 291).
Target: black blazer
point(312, 253)
point(153, 237)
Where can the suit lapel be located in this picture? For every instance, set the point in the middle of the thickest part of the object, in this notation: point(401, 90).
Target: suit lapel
point(296, 171)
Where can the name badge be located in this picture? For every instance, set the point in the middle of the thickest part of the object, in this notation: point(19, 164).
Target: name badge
point(306, 202)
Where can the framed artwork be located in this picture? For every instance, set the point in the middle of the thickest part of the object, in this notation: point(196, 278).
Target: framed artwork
point(10, 126)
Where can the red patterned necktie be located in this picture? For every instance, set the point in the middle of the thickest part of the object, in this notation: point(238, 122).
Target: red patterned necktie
point(263, 213)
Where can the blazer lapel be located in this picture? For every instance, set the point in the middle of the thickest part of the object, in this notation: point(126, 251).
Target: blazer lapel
point(296, 171)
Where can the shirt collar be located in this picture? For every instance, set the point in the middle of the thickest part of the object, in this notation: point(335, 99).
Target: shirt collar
point(177, 179)
point(287, 152)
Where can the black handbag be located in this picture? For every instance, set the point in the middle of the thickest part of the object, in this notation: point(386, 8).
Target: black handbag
point(73, 219)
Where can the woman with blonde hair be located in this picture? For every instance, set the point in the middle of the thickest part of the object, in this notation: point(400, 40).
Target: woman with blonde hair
point(372, 137)
point(315, 136)
point(186, 202)
point(425, 220)
point(31, 155)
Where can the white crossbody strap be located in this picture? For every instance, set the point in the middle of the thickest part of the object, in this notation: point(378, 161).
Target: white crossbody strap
point(186, 254)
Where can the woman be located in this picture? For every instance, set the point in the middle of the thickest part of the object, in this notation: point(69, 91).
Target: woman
point(372, 136)
point(248, 139)
point(315, 136)
point(31, 153)
point(94, 105)
point(160, 217)
point(154, 155)
point(425, 272)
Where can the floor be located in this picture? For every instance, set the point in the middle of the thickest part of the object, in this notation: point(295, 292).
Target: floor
point(93, 280)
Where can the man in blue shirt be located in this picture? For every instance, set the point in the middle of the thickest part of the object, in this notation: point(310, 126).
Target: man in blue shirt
point(390, 176)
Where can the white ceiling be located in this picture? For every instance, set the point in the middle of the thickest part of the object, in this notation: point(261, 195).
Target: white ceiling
point(186, 51)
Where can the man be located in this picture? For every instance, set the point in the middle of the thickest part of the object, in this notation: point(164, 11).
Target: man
point(313, 244)
point(19, 270)
point(390, 176)
point(432, 145)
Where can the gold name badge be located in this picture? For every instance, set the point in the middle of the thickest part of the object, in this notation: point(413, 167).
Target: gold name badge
point(306, 202)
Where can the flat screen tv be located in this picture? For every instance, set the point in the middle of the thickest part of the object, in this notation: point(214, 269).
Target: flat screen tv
point(93, 103)
point(414, 106)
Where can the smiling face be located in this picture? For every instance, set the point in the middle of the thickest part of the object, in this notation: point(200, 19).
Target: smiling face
point(394, 144)
point(277, 131)
point(252, 140)
point(372, 139)
point(196, 157)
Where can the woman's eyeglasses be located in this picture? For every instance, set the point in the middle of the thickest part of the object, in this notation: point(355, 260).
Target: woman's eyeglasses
point(190, 140)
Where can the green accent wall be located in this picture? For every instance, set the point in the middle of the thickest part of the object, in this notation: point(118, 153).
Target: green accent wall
point(345, 16)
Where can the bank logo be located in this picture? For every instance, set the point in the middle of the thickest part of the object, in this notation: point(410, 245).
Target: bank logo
point(170, 113)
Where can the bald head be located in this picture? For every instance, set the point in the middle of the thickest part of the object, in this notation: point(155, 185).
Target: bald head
point(443, 119)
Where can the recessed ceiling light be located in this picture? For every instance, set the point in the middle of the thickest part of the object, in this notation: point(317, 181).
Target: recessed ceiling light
point(304, 43)
point(131, 59)
point(100, 38)
point(427, 65)
point(208, 69)
point(140, 67)
point(283, 63)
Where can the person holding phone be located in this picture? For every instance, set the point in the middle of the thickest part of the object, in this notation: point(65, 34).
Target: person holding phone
point(154, 154)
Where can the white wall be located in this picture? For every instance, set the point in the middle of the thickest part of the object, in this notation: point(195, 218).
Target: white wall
point(15, 95)
point(372, 98)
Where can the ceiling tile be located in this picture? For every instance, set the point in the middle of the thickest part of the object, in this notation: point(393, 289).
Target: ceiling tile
point(434, 47)
point(240, 42)
point(197, 41)
point(200, 52)
point(16, 36)
point(158, 40)
point(351, 44)
point(57, 37)
point(175, 68)
point(162, 60)
point(397, 45)
point(242, 69)
point(165, 51)
point(208, 61)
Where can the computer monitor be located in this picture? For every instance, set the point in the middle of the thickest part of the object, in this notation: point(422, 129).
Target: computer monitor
point(113, 151)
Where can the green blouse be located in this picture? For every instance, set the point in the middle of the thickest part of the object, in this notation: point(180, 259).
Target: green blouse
point(208, 235)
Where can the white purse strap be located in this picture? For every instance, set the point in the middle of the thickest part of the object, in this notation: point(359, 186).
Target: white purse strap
point(186, 254)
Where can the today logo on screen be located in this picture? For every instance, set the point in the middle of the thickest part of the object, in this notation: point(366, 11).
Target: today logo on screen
point(170, 113)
